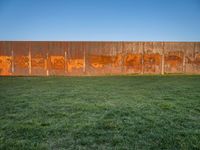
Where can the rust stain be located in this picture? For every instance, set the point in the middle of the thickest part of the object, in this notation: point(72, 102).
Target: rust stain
point(74, 64)
point(5, 65)
point(152, 59)
point(133, 61)
point(117, 60)
point(38, 61)
point(174, 59)
point(57, 62)
point(99, 61)
point(21, 61)
point(151, 62)
point(195, 61)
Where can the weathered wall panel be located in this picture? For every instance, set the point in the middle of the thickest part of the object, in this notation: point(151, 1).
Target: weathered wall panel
point(152, 57)
point(103, 58)
point(133, 57)
point(21, 58)
point(174, 57)
point(56, 59)
point(192, 55)
point(98, 58)
point(75, 63)
point(196, 62)
point(189, 58)
point(5, 58)
point(39, 54)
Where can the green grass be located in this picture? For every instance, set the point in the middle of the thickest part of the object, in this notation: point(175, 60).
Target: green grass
point(120, 112)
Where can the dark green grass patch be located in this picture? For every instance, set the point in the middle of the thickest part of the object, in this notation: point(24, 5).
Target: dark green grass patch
point(121, 112)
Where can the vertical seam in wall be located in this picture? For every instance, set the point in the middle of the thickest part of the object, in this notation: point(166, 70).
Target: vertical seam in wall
point(47, 55)
point(163, 60)
point(13, 69)
point(123, 58)
point(184, 61)
point(65, 57)
point(194, 51)
point(83, 48)
point(143, 58)
point(29, 58)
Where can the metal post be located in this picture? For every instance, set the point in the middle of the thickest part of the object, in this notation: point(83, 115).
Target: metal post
point(65, 62)
point(184, 61)
point(47, 67)
point(163, 60)
point(123, 58)
point(143, 59)
point(12, 52)
point(29, 59)
point(84, 60)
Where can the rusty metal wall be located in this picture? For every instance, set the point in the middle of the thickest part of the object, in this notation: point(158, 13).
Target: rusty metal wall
point(174, 57)
point(103, 58)
point(75, 61)
point(133, 57)
point(21, 58)
point(152, 57)
point(39, 54)
point(33, 58)
point(6, 59)
point(192, 59)
point(56, 58)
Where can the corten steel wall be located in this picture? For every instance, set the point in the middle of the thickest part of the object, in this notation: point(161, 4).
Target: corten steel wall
point(26, 58)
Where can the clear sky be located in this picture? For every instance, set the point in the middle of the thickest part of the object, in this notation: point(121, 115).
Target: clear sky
point(100, 20)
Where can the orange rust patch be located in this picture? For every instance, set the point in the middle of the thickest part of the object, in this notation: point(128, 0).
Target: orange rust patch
point(38, 61)
point(133, 61)
point(21, 61)
point(195, 60)
point(57, 62)
point(74, 64)
point(151, 61)
point(174, 59)
point(99, 61)
point(5, 65)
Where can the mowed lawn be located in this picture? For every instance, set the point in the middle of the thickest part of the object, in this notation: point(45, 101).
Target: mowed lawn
point(120, 112)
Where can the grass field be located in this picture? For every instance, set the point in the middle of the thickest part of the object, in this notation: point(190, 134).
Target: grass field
point(120, 112)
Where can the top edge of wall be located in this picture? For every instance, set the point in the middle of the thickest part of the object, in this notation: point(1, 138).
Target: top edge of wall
point(97, 41)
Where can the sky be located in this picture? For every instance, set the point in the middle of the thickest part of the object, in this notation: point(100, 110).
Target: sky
point(100, 20)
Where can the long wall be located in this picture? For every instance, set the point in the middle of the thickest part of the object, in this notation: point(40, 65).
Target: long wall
point(31, 58)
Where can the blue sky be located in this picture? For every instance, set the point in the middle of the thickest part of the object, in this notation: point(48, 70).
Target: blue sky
point(100, 20)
